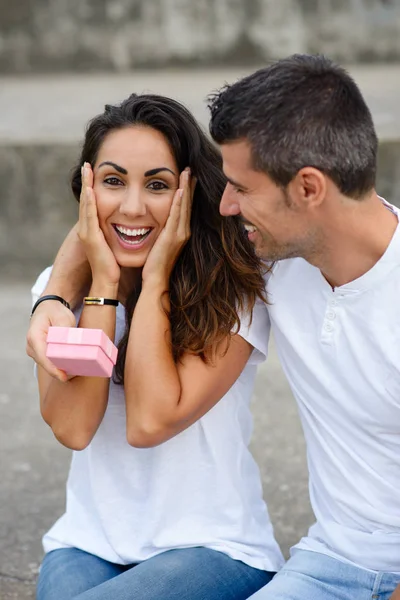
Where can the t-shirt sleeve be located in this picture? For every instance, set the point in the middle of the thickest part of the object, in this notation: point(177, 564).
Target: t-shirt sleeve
point(40, 284)
point(257, 332)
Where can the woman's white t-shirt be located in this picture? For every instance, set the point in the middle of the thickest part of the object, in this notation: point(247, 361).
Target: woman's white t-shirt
point(201, 488)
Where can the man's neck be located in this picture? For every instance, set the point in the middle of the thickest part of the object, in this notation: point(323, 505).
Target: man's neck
point(355, 239)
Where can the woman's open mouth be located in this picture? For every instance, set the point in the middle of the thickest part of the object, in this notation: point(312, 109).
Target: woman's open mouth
point(132, 237)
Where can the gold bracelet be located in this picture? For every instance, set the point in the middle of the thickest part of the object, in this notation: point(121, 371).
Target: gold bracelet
point(95, 301)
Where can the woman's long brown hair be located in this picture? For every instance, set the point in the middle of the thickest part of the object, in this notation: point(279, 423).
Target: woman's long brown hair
point(217, 276)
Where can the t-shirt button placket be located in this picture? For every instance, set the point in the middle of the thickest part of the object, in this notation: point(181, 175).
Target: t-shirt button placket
point(328, 324)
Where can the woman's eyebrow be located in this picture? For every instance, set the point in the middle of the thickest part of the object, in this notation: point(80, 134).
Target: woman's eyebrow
point(116, 167)
point(157, 170)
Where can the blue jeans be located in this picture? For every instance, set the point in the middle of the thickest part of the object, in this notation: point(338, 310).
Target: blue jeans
point(314, 576)
point(188, 574)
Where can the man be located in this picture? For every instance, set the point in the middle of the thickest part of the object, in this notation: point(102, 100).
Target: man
point(299, 151)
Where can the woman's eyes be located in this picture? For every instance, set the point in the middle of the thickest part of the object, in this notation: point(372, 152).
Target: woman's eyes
point(113, 181)
point(156, 186)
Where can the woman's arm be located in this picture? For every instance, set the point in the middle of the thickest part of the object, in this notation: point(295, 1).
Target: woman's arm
point(162, 397)
point(75, 409)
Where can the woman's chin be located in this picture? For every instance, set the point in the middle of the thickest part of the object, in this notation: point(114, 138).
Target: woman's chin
point(131, 262)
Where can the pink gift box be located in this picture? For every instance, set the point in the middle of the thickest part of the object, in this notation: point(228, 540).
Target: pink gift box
point(79, 351)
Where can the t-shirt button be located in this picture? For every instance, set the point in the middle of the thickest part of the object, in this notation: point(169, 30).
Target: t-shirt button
point(333, 302)
point(331, 315)
point(328, 327)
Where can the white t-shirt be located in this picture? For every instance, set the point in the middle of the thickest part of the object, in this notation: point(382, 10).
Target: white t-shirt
point(340, 351)
point(201, 488)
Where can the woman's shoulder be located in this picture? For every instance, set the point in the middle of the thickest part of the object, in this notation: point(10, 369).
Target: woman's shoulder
point(255, 329)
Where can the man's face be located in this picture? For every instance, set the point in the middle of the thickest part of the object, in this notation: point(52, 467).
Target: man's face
point(277, 225)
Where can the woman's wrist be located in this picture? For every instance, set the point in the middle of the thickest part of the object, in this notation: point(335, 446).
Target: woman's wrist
point(156, 281)
point(104, 289)
point(155, 285)
point(157, 291)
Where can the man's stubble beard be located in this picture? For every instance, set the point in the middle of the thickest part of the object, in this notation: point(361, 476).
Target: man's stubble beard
point(307, 248)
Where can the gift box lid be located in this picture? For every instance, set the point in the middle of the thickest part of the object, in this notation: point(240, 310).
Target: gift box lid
point(83, 336)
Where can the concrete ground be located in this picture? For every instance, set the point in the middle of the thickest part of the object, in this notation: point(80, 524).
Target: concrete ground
point(33, 466)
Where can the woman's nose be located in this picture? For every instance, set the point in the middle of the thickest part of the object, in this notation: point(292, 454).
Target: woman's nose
point(133, 204)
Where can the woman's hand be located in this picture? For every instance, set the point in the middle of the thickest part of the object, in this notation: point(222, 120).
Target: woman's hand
point(105, 268)
point(169, 244)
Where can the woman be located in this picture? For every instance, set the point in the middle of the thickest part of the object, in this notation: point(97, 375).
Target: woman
point(163, 498)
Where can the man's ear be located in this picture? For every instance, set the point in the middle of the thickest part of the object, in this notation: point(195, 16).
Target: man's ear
point(308, 188)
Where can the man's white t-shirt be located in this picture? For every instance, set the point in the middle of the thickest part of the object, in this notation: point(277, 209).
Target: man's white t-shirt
point(201, 488)
point(340, 350)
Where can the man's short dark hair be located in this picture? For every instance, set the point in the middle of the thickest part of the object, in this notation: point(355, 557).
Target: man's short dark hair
point(301, 111)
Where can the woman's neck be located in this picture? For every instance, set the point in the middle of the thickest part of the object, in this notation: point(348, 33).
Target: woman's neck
point(129, 280)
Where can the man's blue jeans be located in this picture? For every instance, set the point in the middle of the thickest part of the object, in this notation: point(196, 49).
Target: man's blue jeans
point(187, 574)
point(314, 576)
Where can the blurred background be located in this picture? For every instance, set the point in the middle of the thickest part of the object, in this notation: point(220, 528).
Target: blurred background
point(60, 62)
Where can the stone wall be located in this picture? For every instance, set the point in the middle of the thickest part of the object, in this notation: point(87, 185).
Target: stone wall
point(80, 35)
point(37, 208)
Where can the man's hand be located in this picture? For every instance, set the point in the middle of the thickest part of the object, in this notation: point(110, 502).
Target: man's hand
point(396, 594)
point(70, 278)
point(49, 313)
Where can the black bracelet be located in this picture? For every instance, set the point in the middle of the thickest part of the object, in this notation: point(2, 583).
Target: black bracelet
point(50, 297)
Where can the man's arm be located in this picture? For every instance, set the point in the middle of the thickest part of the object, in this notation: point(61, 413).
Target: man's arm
point(71, 275)
point(70, 278)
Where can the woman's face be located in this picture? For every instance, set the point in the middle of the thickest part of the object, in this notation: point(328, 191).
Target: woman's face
point(135, 178)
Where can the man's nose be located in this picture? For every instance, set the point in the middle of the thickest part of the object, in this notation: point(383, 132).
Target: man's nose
point(228, 206)
point(133, 203)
